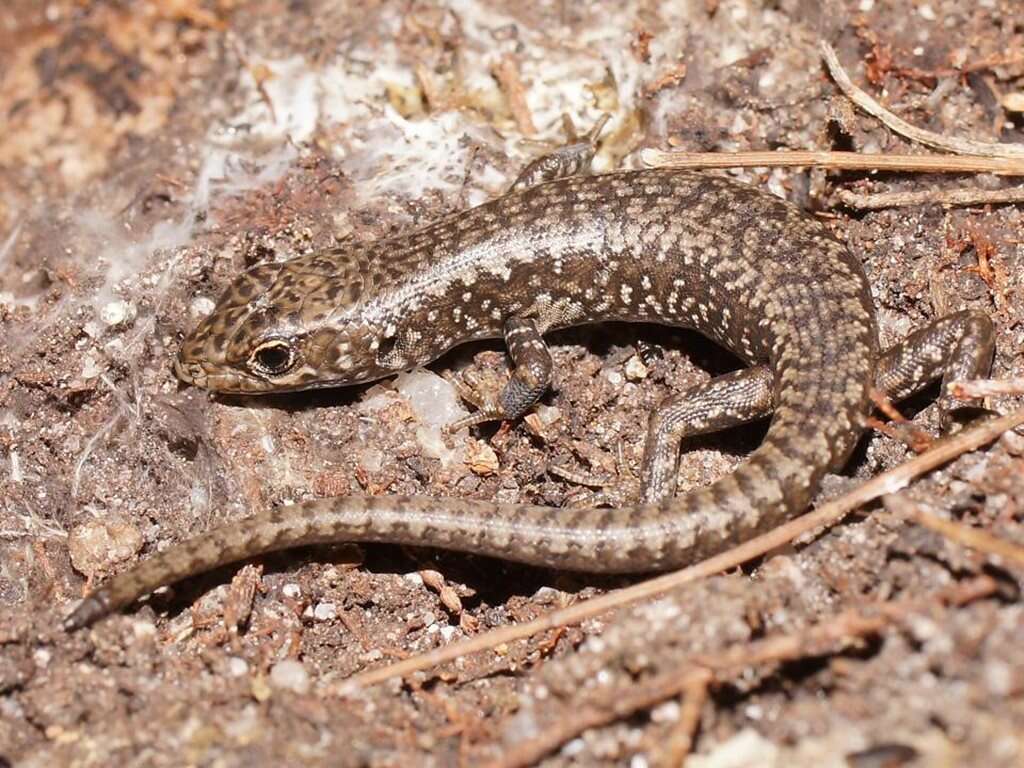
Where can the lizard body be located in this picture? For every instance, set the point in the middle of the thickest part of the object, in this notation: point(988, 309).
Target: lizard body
point(748, 270)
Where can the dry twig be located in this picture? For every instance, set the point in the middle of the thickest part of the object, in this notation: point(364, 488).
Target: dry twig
point(433, 94)
point(921, 136)
point(829, 513)
point(988, 387)
point(974, 538)
point(259, 72)
point(680, 743)
point(879, 200)
point(507, 73)
point(971, 157)
point(916, 438)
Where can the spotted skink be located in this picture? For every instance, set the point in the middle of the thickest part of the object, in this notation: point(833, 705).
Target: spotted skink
point(561, 248)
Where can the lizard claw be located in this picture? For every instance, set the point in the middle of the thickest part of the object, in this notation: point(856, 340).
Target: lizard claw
point(488, 407)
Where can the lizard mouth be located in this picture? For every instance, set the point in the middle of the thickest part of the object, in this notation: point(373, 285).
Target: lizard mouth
point(190, 373)
point(199, 375)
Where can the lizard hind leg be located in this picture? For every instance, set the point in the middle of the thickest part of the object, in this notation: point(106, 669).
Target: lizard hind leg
point(724, 401)
point(954, 348)
point(957, 347)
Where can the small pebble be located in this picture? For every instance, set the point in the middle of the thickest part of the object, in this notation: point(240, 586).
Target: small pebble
point(614, 378)
point(96, 544)
point(371, 459)
point(144, 630)
point(432, 398)
point(1014, 102)
point(90, 367)
point(331, 576)
point(542, 417)
point(666, 713)
point(290, 675)
point(481, 458)
point(547, 595)
point(635, 369)
point(325, 612)
point(549, 414)
point(259, 688)
point(1014, 443)
point(574, 747)
point(201, 307)
point(998, 677)
point(534, 425)
point(118, 312)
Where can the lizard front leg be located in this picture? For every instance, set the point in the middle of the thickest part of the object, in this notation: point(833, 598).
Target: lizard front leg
point(530, 378)
point(725, 401)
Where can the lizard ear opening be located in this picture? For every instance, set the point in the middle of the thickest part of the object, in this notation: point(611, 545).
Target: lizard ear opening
point(385, 350)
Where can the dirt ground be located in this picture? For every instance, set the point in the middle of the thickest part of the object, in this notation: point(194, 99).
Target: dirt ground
point(149, 151)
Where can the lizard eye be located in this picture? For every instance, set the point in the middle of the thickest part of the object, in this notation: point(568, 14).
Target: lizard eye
point(273, 358)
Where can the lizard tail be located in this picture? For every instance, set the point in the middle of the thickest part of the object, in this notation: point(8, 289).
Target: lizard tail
point(809, 434)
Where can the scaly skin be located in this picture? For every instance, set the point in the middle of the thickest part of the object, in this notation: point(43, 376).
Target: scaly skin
point(748, 270)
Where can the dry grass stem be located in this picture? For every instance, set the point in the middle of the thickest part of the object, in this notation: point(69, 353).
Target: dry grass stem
point(899, 125)
point(879, 200)
point(842, 161)
point(973, 538)
point(988, 387)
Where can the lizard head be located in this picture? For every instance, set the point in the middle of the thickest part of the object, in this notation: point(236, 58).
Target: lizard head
point(300, 324)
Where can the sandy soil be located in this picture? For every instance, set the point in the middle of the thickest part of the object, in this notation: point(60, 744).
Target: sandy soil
point(150, 151)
